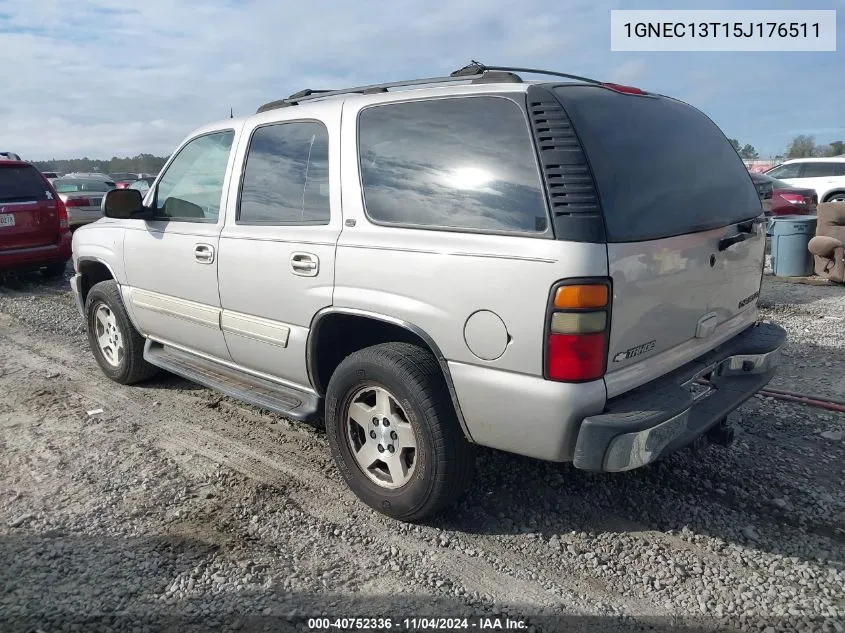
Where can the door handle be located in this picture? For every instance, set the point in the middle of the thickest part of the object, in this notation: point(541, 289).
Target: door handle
point(305, 264)
point(204, 253)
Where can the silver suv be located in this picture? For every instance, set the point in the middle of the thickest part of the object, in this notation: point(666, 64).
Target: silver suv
point(564, 269)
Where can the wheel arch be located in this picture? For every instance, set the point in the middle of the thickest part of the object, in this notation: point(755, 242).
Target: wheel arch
point(830, 194)
point(324, 352)
point(93, 270)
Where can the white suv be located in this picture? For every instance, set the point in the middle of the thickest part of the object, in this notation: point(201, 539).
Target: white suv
point(825, 175)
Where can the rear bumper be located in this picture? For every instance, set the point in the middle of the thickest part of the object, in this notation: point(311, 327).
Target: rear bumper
point(80, 215)
point(666, 414)
point(37, 256)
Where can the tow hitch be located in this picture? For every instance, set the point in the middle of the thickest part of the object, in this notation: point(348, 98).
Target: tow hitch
point(722, 434)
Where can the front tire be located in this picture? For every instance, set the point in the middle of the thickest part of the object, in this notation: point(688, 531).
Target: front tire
point(117, 346)
point(394, 433)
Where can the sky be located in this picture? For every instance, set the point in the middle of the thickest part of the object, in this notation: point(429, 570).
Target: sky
point(103, 78)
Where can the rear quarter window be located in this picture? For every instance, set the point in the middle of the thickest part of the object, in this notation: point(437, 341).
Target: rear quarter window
point(662, 168)
point(22, 184)
point(452, 163)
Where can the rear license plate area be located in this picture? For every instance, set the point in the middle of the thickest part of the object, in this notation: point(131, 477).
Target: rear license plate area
point(7, 219)
point(700, 386)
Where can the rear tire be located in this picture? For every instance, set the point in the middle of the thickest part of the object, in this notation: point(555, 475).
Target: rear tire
point(51, 271)
point(839, 196)
point(407, 380)
point(117, 346)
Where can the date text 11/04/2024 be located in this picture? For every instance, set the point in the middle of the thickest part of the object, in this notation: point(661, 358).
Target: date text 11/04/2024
point(722, 29)
point(417, 624)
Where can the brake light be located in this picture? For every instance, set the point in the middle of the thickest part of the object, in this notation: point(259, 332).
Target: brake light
point(64, 218)
point(626, 89)
point(577, 332)
point(78, 202)
point(794, 198)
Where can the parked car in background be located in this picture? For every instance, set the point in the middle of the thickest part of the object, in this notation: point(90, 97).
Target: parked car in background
point(51, 175)
point(9, 156)
point(142, 184)
point(34, 226)
point(825, 175)
point(82, 197)
point(780, 198)
point(122, 180)
point(95, 174)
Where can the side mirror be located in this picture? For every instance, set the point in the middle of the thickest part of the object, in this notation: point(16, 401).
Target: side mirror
point(125, 204)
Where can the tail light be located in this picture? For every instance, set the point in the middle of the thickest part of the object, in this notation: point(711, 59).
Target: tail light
point(577, 331)
point(64, 218)
point(794, 198)
point(78, 202)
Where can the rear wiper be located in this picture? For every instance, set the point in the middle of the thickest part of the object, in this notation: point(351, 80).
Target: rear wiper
point(726, 242)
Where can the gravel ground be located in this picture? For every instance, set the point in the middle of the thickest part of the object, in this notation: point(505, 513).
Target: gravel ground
point(178, 509)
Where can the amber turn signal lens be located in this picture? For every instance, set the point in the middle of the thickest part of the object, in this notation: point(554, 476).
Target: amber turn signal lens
point(582, 296)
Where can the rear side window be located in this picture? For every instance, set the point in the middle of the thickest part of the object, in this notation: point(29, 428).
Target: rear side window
point(460, 163)
point(662, 168)
point(286, 178)
point(22, 184)
point(819, 170)
point(792, 170)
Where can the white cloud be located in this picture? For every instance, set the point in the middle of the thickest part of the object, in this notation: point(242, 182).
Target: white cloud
point(120, 77)
point(92, 77)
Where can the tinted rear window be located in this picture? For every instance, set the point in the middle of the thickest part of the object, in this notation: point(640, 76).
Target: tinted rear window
point(466, 164)
point(21, 184)
point(662, 167)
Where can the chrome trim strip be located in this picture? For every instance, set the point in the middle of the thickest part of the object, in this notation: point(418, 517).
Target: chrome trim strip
point(255, 328)
point(173, 307)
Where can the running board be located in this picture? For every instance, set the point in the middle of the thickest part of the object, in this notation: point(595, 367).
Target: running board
point(286, 401)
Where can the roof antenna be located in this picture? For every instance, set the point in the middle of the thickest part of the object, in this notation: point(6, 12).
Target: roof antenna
point(231, 113)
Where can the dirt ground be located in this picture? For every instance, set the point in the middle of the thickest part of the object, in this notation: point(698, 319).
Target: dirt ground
point(178, 509)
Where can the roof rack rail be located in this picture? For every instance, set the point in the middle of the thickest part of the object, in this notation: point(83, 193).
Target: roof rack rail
point(477, 68)
point(474, 72)
point(295, 98)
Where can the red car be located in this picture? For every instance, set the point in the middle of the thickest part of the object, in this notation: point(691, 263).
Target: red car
point(34, 224)
point(780, 198)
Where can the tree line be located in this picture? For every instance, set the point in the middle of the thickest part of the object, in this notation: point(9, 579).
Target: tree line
point(140, 164)
point(802, 146)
